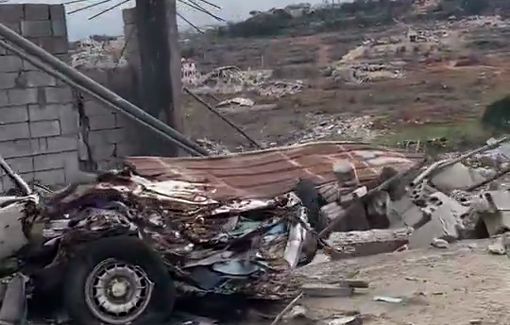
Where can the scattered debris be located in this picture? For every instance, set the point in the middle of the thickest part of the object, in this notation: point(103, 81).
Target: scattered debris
point(346, 320)
point(497, 248)
point(326, 290)
point(324, 126)
point(286, 309)
point(296, 312)
point(239, 101)
point(370, 242)
point(440, 243)
point(94, 54)
point(389, 299)
point(231, 80)
point(363, 73)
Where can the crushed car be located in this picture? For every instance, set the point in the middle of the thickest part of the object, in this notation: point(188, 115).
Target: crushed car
point(121, 249)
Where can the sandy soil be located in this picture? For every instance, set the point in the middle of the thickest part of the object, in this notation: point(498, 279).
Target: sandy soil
point(461, 285)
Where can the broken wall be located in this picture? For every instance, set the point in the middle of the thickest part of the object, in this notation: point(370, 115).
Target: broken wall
point(106, 135)
point(38, 116)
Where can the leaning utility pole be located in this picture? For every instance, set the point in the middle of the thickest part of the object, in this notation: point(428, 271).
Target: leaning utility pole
point(158, 43)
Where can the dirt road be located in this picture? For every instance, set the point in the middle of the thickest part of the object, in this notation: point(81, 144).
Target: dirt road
point(461, 285)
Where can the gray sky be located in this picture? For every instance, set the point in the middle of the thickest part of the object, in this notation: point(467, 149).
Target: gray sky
point(111, 22)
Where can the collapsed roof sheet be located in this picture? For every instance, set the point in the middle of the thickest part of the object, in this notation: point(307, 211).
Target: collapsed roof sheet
point(268, 173)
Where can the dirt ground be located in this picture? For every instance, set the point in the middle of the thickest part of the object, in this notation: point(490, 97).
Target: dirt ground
point(460, 285)
point(441, 94)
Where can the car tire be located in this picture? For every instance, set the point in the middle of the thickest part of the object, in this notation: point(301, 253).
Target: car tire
point(132, 260)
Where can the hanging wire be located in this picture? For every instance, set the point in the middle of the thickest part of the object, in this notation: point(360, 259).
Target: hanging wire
point(88, 7)
point(190, 23)
point(109, 9)
point(194, 4)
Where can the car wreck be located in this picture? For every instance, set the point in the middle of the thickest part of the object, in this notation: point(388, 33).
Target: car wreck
point(122, 248)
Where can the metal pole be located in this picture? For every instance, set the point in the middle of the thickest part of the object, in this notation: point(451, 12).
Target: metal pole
point(101, 91)
point(160, 61)
point(44, 67)
point(226, 120)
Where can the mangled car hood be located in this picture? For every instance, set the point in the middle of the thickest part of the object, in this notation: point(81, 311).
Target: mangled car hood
point(232, 246)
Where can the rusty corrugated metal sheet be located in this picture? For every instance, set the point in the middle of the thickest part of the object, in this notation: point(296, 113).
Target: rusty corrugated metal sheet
point(268, 173)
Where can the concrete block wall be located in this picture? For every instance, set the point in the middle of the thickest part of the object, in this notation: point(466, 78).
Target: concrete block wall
point(38, 115)
point(106, 135)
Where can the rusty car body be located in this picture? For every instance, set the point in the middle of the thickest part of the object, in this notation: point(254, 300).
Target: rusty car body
point(222, 225)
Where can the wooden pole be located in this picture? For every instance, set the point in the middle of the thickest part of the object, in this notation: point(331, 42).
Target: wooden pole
point(160, 58)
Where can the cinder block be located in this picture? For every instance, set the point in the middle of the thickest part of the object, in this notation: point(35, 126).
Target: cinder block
point(62, 143)
point(107, 136)
point(83, 153)
point(57, 12)
point(122, 121)
point(21, 164)
point(44, 129)
point(54, 160)
point(14, 26)
point(58, 95)
point(36, 11)
point(23, 96)
point(4, 98)
point(38, 79)
point(47, 112)
point(102, 122)
point(27, 177)
point(11, 13)
point(59, 28)
point(69, 121)
point(129, 16)
point(10, 63)
point(13, 114)
point(18, 148)
point(51, 177)
point(36, 28)
point(102, 151)
point(54, 45)
point(93, 107)
point(41, 144)
point(14, 131)
point(125, 149)
point(8, 80)
point(72, 168)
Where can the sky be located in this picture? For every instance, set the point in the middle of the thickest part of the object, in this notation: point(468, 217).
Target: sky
point(111, 23)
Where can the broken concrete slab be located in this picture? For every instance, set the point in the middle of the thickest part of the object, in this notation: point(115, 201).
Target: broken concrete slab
point(494, 209)
point(456, 177)
point(326, 290)
point(445, 220)
point(369, 242)
point(403, 212)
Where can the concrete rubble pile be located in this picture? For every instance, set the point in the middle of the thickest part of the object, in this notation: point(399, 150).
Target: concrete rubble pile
point(231, 80)
point(103, 55)
point(433, 205)
point(323, 126)
point(363, 73)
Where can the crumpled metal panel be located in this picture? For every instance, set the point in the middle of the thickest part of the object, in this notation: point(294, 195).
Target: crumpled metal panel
point(273, 172)
point(210, 246)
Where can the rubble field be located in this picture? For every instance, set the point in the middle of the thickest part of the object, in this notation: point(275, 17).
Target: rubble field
point(435, 86)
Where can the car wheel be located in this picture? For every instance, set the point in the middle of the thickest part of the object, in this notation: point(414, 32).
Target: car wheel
point(117, 280)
